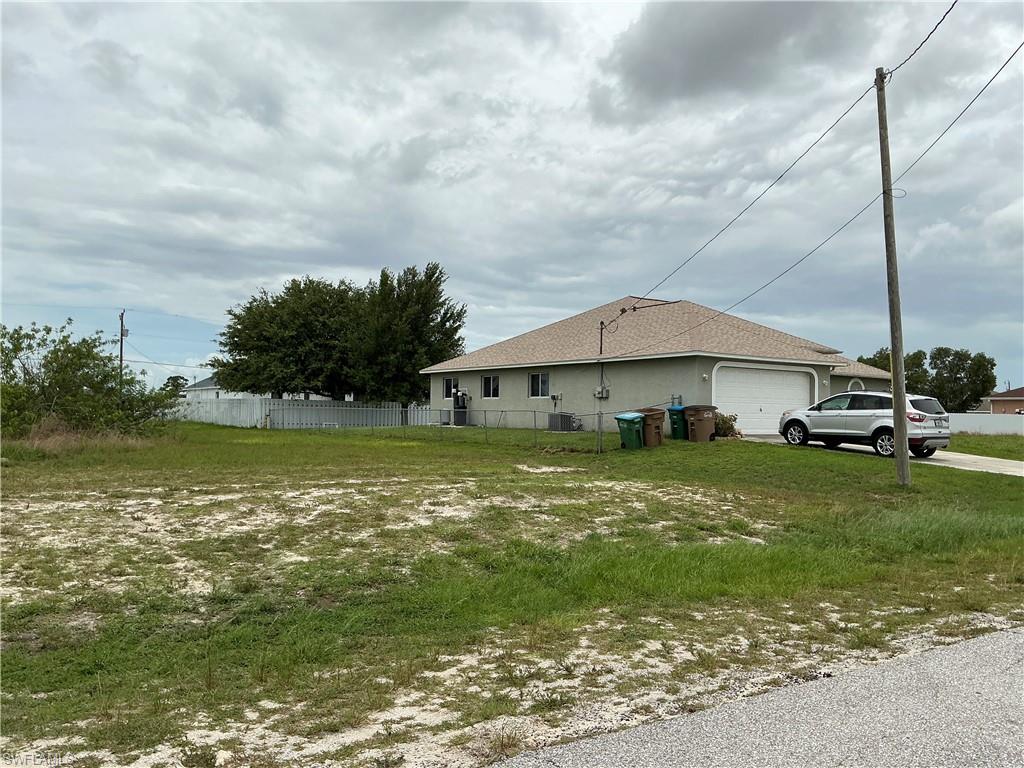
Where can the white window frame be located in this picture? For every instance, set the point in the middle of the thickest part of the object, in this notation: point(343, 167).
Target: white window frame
point(495, 384)
point(849, 387)
point(449, 388)
point(545, 380)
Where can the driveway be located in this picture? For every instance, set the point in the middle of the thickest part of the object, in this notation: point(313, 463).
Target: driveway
point(941, 458)
point(958, 705)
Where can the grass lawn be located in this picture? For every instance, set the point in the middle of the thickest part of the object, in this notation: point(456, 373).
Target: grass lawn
point(312, 598)
point(998, 446)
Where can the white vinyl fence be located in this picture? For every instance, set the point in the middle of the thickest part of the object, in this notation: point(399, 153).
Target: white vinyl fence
point(987, 423)
point(267, 413)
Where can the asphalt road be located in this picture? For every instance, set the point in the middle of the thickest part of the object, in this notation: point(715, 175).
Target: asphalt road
point(959, 705)
point(941, 458)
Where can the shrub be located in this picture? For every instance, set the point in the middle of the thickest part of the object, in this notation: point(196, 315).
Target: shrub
point(53, 383)
point(725, 425)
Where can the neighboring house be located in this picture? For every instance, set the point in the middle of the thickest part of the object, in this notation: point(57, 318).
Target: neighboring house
point(659, 350)
point(209, 389)
point(1010, 401)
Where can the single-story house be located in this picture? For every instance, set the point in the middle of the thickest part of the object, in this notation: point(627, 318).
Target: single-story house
point(654, 351)
point(1010, 401)
point(209, 389)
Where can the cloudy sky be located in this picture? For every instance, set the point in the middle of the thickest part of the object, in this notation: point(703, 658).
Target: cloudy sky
point(175, 158)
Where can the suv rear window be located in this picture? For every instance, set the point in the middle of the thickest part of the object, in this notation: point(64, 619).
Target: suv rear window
point(928, 405)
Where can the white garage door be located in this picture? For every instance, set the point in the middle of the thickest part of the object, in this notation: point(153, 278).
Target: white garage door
point(758, 396)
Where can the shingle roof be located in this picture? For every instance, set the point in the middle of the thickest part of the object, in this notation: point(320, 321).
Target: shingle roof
point(210, 382)
point(1010, 394)
point(855, 369)
point(655, 328)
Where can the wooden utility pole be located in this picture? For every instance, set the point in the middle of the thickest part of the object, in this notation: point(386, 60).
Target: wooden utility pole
point(899, 387)
point(600, 387)
point(120, 341)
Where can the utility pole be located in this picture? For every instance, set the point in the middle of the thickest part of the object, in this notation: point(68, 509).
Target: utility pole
point(899, 386)
point(120, 341)
point(600, 388)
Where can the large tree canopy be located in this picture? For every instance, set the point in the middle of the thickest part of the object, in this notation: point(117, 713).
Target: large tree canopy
point(331, 339)
point(955, 377)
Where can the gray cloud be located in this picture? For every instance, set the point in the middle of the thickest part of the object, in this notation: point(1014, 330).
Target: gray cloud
point(178, 157)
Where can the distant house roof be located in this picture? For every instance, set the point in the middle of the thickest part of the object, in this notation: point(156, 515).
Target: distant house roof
point(1010, 394)
point(655, 328)
point(210, 382)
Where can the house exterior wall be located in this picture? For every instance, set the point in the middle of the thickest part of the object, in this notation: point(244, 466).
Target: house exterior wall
point(632, 384)
point(1007, 406)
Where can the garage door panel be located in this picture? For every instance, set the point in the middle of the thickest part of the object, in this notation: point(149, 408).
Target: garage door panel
point(758, 396)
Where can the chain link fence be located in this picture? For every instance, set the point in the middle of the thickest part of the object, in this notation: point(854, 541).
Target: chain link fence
point(553, 430)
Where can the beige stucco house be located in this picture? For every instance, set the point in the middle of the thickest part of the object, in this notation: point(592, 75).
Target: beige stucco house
point(652, 352)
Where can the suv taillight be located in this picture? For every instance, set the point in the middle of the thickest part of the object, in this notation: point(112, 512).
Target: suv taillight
point(917, 418)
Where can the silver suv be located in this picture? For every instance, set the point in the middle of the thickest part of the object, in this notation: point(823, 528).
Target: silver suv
point(866, 418)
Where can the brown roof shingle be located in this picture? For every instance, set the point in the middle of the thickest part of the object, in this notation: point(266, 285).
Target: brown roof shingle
point(653, 328)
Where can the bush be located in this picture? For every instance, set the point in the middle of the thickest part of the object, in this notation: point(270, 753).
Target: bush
point(53, 383)
point(725, 425)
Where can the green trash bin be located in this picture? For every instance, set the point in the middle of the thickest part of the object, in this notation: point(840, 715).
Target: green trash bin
point(677, 417)
point(631, 429)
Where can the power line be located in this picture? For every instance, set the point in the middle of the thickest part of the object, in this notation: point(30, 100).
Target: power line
point(962, 111)
point(926, 38)
point(779, 178)
point(751, 204)
point(847, 223)
point(164, 365)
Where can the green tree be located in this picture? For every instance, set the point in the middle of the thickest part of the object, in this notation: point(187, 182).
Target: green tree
point(333, 338)
point(47, 375)
point(961, 379)
point(915, 368)
point(175, 384)
point(298, 340)
point(407, 323)
point(955, 377)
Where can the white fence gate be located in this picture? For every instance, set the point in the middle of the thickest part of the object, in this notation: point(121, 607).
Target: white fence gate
point(267, 413)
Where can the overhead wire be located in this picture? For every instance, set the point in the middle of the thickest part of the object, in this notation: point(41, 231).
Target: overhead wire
point(843, 226)
point(889, 72)
point(779, 178)
point(751, 204)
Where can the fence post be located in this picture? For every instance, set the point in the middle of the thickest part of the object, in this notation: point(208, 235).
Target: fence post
point(486, 439)
point(600, 431)
point(534, 429)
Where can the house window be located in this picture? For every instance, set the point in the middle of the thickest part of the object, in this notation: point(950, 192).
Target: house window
point(451, 384)
point(489, 386)
point(538, 385)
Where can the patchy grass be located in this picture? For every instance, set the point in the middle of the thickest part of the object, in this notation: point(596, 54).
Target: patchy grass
point(997, 446)
point(306, 597)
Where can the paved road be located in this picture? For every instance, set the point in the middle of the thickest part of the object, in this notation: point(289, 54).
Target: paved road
point(960, 705)
point(941, 458)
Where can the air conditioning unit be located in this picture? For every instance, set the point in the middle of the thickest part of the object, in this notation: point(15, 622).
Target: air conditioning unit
point(560, 422)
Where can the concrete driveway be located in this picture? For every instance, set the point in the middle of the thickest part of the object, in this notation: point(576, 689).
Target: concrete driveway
point(959, 705)
point(941, 458)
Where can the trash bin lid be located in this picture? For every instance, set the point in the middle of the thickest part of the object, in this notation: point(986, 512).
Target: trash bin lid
point(629, 416)
point(676, 408)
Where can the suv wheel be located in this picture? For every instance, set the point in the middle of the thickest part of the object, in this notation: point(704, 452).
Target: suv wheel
point(884, 443)
point(796, 433)
point(923, 453)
